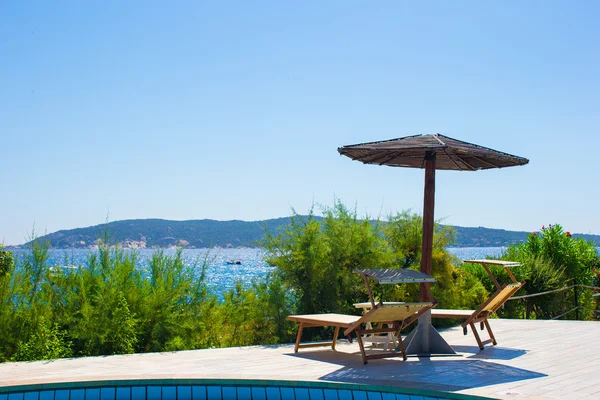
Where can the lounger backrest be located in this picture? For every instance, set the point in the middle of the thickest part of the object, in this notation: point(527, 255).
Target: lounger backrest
point(497, 299)
point(396, 313)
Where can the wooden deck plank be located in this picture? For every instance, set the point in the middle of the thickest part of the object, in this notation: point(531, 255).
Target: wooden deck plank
point(533, 359)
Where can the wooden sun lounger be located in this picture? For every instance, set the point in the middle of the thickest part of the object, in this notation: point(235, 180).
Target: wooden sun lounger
point(398, 316)
point(481, 315)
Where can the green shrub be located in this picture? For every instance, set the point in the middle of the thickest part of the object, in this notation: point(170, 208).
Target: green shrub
point(46, 343)
point(316, 259)
point(113, 305)
point(550, 259)
point(6, 262)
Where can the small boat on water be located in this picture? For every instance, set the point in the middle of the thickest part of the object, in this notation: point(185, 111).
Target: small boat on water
point(233, 262)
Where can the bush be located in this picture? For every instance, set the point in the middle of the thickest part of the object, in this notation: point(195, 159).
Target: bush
point(315, 261)
point(6, 262)
point(46, 343)
point(550, 259)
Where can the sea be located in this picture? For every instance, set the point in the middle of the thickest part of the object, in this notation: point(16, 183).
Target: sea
point(226, 267)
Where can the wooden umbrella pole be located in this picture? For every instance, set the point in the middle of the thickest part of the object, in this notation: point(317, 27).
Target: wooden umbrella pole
point(428, 207)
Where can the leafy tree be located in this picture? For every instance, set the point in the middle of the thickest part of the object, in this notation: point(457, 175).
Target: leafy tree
point(316, 259)
point(454, 287)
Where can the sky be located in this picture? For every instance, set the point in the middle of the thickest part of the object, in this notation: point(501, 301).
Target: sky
point(113, 110)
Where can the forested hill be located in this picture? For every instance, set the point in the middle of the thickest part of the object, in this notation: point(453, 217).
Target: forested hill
point(155, 233)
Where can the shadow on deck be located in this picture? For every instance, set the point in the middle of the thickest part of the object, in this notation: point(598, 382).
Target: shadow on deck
point(443, 373)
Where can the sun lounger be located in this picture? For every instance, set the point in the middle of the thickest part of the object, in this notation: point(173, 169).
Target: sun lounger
point(481, 315)
point(398, 316)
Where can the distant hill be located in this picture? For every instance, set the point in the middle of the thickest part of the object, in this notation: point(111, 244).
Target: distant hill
point(160, 233)
point(487, 237)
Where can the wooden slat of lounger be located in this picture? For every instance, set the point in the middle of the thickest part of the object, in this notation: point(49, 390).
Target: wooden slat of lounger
point(341, 320)
point(387, 314)
point(481, 315)
point(393, 313)
point(367, 304)
point(494, 302)
point(501, 297)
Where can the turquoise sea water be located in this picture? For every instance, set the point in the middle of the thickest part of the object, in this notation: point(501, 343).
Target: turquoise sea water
point(223, 271)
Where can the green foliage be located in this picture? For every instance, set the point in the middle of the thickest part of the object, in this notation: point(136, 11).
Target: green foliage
point(316, 258)
point(46, 343)
point(122, 338)
point(454, 288)
point(550, 259)
point(114, 305)
point(110, 306)
point(173, 298)
point(7, 266)
point(6, 262)
point(276, 304)
point(569, 255)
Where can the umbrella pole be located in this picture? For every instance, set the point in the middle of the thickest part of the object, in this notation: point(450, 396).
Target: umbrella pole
point(428, 207)
point(425, 340)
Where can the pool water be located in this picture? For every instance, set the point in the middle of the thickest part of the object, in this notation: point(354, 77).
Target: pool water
point(195, 389)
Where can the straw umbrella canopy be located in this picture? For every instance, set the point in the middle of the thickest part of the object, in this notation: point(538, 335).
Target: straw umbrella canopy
point(431, 152)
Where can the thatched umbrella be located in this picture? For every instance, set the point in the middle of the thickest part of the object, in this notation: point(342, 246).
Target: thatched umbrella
point(430, 152)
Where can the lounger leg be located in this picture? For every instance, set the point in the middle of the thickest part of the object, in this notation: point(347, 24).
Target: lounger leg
point(489, 329)
point(361, 345)
point(476, 335)
point(335, 335)
point(298, 337)
point(400, 344)
point(392, 338)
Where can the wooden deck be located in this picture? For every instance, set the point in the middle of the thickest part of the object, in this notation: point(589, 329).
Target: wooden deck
point(533, 360)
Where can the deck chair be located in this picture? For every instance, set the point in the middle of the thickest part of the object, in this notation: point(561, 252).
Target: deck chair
point(481, 315)
point(398, 316)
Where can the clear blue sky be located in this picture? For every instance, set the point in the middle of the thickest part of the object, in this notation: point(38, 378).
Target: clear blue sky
point(235, 110)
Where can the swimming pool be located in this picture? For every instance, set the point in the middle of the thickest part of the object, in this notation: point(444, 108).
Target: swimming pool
point(217, 389)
